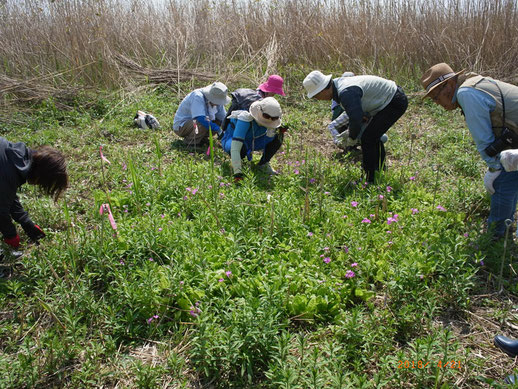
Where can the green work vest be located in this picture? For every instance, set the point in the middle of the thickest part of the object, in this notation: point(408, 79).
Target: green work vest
point(510, 94)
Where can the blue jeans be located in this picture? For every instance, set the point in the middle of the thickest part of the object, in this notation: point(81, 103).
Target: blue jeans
point(503, 201)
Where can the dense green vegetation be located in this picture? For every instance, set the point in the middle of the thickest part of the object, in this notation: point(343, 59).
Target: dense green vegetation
point(307, 280)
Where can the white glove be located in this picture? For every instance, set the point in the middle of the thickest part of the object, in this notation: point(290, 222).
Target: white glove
point(509, 160)
point(345, 140)
point(489, 178)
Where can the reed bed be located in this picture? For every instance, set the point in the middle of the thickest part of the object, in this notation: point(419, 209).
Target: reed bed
point(81, 39)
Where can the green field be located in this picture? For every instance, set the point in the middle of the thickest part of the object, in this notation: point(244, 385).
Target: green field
point(307, 280)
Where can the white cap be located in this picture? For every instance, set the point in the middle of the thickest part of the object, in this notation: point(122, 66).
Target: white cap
point(315, 82)
point(216, 93)
point(270, 107)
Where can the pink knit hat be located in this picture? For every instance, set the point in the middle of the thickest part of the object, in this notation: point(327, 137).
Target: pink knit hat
point(273, 85)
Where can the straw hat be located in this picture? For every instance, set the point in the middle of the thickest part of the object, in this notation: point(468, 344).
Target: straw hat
point(315, 82)
point(266, 107)
point(436, 76)
point(273, 85)
point(216, 93)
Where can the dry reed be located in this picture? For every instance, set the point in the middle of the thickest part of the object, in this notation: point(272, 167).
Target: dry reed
point(395, 38)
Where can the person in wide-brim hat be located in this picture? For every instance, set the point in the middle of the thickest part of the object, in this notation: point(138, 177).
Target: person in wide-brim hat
point(254, 130)
point(200, 113)
point(243, 98)
point(372, 105)
point(490, 108)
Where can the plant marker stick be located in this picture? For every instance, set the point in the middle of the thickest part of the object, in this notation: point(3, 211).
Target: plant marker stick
point(508, 223)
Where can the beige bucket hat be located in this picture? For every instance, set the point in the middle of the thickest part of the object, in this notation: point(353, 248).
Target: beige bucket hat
point(267, 112)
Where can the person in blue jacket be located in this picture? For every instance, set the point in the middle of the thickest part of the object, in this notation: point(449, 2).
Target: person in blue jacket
point(42, 166)
point(199, 110)
point(490, 108)
point(254, 130)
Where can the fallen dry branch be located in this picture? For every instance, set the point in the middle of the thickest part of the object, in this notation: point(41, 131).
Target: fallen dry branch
point(32, 91)
point(167, 76)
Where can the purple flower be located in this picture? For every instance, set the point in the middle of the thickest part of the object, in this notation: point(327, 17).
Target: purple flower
point(148, 204)
point(346, 249)
point(389, 189)
point(366, 221)
point(354, 264)
point(222, 195)
point(481, 262)
point(354, 204)
point(121, 262)
point(414, 211)
point(193, 313)
point(162, 216)
point(349, 274)
point(326, 248)
point(327, 260)
point(441, 208)
point(296, 171)
point(327, 193)
point(412, 178)
point(150, 259)
point(228, 273)
point(466, 235)
point(221, 280)
point(182, 282)
point(160, 229)
point(312, 181)
point(310, 234)
point(372, 215)
point(381, 197)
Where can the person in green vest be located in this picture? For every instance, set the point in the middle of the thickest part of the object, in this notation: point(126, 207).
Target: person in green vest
point(371, 106)
point(490, 108)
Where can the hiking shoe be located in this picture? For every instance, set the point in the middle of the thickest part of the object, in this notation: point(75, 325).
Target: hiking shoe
point(266, 168)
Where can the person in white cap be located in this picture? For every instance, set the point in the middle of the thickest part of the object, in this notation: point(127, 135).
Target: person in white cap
point(372, 105)
point(256, 129)
point(490, 108)
point(199, 110)
point(242, 98)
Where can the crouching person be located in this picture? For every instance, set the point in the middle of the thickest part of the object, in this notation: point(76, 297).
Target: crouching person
point(254, 130)
point(371, 105)
point(43, 166)
point(199, 110)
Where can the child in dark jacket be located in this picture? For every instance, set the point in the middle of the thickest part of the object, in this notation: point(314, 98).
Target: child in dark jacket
point(43, 166)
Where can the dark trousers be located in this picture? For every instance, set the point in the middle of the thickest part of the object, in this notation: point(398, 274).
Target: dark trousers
point(271, 148)
point(372, 148)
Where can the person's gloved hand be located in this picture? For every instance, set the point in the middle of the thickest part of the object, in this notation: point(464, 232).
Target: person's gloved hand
point(489, 178)
point(345, 140)
point(509, 160)
point(13, 242)
point(35, 233)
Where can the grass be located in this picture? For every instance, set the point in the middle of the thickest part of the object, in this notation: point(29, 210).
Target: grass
point(209, 284)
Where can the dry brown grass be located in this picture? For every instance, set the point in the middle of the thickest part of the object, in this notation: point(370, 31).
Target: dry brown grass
point(388, 37)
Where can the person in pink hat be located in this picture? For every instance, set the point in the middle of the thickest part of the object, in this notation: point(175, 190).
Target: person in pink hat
point(242, 98)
